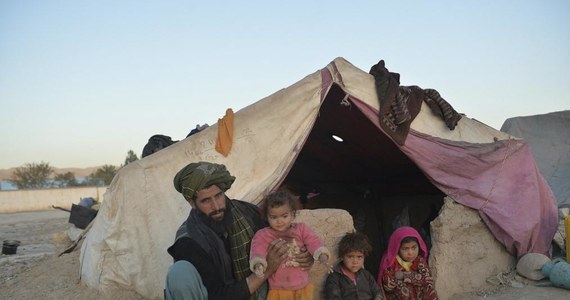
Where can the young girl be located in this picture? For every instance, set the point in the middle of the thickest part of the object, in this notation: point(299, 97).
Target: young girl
point(349, 280)
point(404, 272)
point(289, 281)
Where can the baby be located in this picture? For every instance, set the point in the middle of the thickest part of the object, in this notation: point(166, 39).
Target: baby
point(289, 281)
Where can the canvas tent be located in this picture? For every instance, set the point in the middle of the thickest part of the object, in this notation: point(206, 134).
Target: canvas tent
point(285, 139)
point(548, 136)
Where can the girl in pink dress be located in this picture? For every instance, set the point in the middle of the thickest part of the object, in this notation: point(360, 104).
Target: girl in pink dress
point(289, 281)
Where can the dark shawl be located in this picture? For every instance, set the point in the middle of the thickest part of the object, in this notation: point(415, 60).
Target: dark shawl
point(399, 105)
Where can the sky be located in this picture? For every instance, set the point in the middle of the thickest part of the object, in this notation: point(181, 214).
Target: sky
point(84, 82)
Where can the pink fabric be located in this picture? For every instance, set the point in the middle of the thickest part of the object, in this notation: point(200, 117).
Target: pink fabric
point(499, 179)
point(287, 278)
point(396, 238)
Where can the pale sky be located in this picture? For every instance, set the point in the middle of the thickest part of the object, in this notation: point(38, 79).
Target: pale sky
point(84, 82)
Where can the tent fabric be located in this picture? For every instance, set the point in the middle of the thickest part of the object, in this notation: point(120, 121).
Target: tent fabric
point(548, 136)
point(499, 179)
point(141, 210)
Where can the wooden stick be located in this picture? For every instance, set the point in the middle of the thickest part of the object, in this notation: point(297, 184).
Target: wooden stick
point(61, 208)
point(76, 242)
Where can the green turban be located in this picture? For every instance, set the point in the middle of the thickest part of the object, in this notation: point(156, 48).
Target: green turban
point(197, 176)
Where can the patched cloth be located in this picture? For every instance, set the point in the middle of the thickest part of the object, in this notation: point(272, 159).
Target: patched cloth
point(197, 176)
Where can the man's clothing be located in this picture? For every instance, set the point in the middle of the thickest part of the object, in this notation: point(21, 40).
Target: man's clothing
point(184, 282)
point(216, 249)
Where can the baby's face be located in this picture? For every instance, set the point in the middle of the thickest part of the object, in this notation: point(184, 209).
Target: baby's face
point(353, 261)
point(280, 217)
point(409, 251)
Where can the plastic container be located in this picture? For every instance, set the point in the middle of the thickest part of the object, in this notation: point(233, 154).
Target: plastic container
point(558, 272)
point(10, 247)
point(81, 216)
point(87, 201)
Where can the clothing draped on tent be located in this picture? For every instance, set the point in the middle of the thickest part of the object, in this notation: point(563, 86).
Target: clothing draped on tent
point(399, 105)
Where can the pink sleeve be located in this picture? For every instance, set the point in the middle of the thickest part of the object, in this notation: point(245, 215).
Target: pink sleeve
point(310, 238)
point(260, 243)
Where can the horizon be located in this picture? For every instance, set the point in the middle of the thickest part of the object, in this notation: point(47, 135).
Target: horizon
point(82, 83)
point(4, 173)
point(79, 173)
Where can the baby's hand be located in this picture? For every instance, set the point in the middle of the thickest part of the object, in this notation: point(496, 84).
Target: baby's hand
point(258, 270)
point(324, 259)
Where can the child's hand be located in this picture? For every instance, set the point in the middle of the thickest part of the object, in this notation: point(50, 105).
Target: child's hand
point(399, 275)
point(258, 270)
point(324, 259)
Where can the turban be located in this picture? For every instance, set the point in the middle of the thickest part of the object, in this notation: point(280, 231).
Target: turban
point(197, 176)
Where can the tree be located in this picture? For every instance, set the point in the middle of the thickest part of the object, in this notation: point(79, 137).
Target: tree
point(32, 176)
point(65, 180)
point(131, 156)
point(104, 174)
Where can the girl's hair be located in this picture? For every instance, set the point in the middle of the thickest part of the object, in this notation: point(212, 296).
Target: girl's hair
point(354, 241)
point(277, 199)
point(409, 239)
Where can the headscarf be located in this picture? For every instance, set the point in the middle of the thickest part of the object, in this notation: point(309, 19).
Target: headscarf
point(394, 247)
point(197, 176)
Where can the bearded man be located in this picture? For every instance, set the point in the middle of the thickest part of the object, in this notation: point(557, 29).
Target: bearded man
point(211, 248)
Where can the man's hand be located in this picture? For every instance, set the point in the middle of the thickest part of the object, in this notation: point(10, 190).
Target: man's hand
point(276, 253)
point(305, 259)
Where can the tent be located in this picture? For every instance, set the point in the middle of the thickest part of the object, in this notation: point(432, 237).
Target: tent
point(286, 139)
point(548, 136)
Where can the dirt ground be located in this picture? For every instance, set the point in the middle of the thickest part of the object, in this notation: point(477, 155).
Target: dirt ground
point(36, 271)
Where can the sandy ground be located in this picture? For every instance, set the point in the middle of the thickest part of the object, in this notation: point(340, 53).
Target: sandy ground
point(36, 271)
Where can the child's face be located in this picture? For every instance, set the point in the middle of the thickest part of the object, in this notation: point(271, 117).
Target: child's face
point(280, 217)
point(409, 251)
point(353, 261)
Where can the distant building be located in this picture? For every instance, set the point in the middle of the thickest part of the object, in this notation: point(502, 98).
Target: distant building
point(6, 185)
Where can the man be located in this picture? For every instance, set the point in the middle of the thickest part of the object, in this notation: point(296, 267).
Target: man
point(211, 250)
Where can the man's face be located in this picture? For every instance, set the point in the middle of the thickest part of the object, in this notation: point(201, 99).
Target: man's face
point(211, 201)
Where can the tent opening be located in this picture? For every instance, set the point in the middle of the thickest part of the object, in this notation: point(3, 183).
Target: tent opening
point(365, 174)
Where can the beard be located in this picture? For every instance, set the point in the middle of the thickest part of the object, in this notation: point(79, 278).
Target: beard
point(212, 214)
point(219, 227)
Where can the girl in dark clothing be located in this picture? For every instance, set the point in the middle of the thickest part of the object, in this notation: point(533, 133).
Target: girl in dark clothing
point(349, 280)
